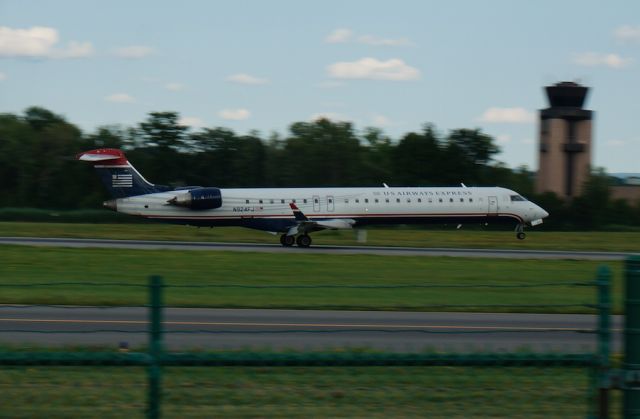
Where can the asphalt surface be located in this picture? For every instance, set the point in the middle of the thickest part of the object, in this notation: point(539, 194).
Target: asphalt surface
point(197, 328)
point(303, 329)
point(344, 250)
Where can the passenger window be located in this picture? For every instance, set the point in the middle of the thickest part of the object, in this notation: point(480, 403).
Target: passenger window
point(470, 199)
point(330, 200)
point(440, 200)
point(246, 202)
point(293, 200)
point(357, 201)
point(346, 201)
point(282, 201)
point(430, 200)
point(409, 200)
point(386, 200)
point(315, 201)
point(419, 199)
point(450, 199)
point(260, 201)
point(398, 200)
point(376, 200)
point(366, 200)
point(271, 201)
point(461, 199)
point(304, 201)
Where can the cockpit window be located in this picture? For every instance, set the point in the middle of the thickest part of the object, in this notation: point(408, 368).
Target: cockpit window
point(516, 198)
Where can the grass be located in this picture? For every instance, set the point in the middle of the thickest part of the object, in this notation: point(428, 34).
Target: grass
point(29, 265)
point(234, 392)
point(537, 239)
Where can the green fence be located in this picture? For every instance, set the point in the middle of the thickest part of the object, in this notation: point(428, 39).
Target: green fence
point(331, 383)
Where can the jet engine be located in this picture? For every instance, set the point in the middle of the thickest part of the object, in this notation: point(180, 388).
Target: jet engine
point(198, 199)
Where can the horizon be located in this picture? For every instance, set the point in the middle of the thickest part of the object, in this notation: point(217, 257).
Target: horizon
point(255, 66)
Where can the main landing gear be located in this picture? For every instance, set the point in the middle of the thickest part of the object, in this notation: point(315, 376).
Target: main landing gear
point(520, 232)
point(303, 240)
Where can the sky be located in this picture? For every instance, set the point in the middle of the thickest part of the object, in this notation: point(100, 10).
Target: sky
point(262, 65)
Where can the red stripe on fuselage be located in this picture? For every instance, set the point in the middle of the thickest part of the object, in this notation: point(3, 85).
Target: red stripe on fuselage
point(320, 217)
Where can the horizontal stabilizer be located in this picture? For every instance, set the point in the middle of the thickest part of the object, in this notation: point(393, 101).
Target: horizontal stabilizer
point(111, 155)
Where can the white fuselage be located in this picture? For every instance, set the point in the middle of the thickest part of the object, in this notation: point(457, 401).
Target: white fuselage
point(355, 206)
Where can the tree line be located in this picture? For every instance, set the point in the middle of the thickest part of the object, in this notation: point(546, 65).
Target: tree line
point(38, 169)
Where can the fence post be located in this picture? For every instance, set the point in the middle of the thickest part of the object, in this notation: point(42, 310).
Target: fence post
point(155, 346)
point(604, 339)
point(631, 366)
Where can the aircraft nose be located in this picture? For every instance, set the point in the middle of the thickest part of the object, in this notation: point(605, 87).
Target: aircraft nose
point(543, 213)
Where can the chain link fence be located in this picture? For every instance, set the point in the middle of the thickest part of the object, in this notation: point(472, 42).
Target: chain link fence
point(354, 382)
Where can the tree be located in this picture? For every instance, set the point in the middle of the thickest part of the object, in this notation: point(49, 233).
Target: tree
point(468, 153)
point(39, 118)
point(161, 129)
point(418, 158)
point(591, 208)
point(322, 153)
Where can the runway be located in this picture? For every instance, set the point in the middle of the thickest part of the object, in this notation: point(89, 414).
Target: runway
point(337, 250)
point(231, 329)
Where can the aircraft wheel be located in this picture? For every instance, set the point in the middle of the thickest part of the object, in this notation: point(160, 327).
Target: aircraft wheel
point(303, 240)
point(521, 236)
point(287, 241)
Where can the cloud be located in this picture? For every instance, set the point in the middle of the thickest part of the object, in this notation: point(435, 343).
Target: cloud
point(594, 59)
point(615, 143)
point(528, 141)
point(380, 121)
point(376, 41)
point(330, 84)
point(339, 36)
point(39, 42)
point(120, 98)
point(191, 121)
point(3, 76)
point(134, 52)
point(507, 115)
point(503, 139)
point(174, 87)
point(234, 114)
point(373, 69)
point(242, 78)
point(627, 33)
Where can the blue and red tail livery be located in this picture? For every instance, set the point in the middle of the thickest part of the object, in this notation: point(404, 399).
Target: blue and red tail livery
point(119, 177)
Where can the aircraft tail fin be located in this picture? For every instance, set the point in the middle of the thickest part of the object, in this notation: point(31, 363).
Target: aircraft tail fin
point(118, 175)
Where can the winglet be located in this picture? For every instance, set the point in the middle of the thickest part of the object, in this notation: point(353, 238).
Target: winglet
point(299, 216)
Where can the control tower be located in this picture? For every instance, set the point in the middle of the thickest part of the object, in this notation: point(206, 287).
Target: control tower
point(564, 154)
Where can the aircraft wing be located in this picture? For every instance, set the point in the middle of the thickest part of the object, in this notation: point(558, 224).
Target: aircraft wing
point(305, 225)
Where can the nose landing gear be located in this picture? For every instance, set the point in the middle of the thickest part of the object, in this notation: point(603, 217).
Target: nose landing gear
point(520, 232)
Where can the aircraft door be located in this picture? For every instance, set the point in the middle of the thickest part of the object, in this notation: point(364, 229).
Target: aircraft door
point(316, 203)
point(493, 205)
point(330, 203)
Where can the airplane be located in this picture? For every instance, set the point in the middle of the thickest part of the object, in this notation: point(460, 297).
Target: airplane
point(295, 212)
